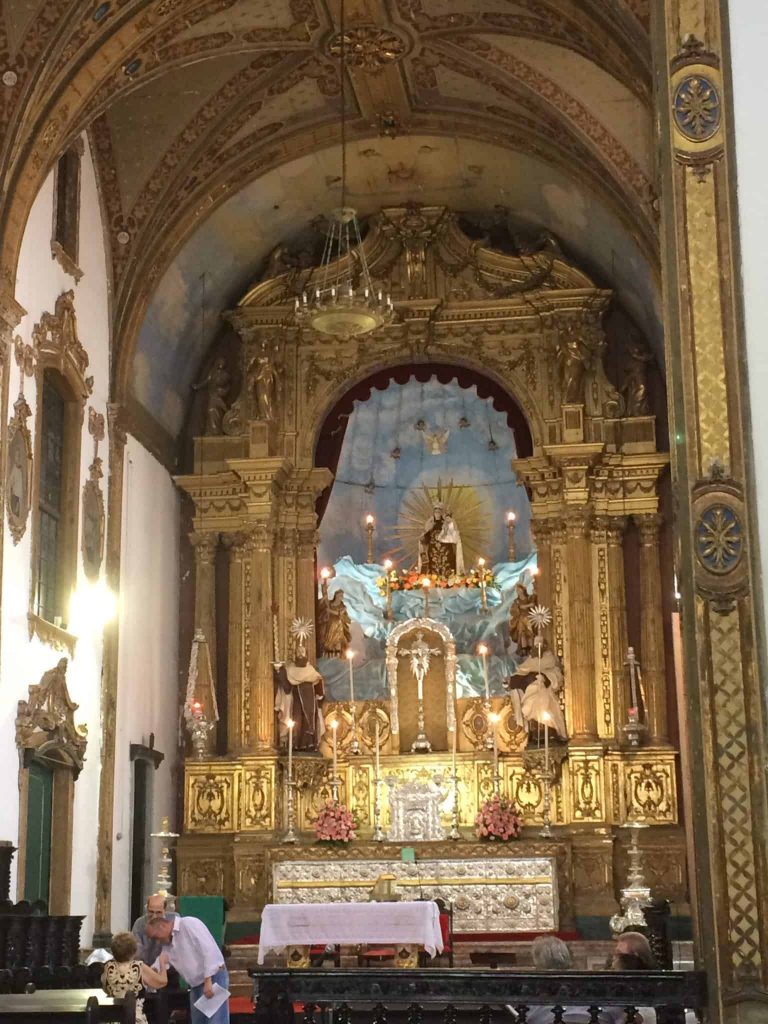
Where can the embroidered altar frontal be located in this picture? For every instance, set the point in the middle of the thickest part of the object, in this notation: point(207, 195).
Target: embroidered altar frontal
point(502, 894)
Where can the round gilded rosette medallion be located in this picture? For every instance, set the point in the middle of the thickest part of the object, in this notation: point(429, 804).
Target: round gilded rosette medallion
point(696, 108)
point(719, 539)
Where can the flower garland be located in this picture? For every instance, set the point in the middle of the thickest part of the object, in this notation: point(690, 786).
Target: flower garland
point(414, 580)
point(498, 819)
point(335, 823)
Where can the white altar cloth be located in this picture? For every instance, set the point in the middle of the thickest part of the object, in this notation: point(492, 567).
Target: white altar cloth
point(344, 924)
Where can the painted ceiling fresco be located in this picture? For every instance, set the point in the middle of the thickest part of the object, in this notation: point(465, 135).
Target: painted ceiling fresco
point(215, 128)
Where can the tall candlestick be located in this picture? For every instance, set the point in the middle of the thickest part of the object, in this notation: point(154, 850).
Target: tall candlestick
point(545, 716)
point(388, 587)
point(511, 551)
point(378, 763)
point(494, 718)
point(369, 524)
point(632, 662)
point(350, 659)
point(483, 594)
point(354, 746)
point(334, 747)
point(454, 745)
point(482, 650)
point(289, 723)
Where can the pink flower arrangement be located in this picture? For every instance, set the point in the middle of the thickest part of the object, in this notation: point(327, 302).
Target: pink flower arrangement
point(497, 819)
point(335, 823)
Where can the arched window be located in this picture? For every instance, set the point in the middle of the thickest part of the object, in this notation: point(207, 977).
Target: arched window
point(62, 390)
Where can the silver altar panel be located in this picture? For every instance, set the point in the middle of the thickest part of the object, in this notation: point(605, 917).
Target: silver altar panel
point(500, 894)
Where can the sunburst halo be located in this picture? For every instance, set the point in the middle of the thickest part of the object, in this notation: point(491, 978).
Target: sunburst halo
point(465, 505)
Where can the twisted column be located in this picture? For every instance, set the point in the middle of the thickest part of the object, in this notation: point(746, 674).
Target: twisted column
point(652, 628)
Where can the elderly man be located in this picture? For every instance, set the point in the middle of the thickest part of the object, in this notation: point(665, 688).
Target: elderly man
point(148, 951)
point(192, 950)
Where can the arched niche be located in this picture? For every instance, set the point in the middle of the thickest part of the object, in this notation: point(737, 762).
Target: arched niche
point(398, 670)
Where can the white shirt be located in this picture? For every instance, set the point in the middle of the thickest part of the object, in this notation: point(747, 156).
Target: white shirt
point(193, 951)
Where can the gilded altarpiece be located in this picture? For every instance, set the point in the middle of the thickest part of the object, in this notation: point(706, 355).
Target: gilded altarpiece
point(592, 469)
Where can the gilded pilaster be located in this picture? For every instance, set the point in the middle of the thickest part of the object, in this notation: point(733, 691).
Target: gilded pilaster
point(617, 617)
point(542, 536)
point(582, 651)
point(103, 911)
point(609, 618)
point(262, 714)
point(235, 546)
point(652, 628)
point(723, 645)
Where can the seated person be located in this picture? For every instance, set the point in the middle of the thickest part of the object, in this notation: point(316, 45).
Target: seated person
point(127, 974)
point(552, 954)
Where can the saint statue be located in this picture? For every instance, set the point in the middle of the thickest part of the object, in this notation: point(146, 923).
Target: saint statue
point(299, 689)
point(333, 626)
point(440, 550)
point(534, 690)
point(521, 630)
point(574, 357)
point(635, 388)
point(17, 483)
point(217, 382)
point(262, 380)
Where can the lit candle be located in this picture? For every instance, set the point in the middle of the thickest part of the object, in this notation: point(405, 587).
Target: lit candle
point(512, 553)
point(545, 716)
point(334, 740)
point(426, 583)
point(325, 573)
point(482, 650)
point(378, 763)
point(454, 743)
point(350, 659)
point(369, 524)
point(290, 724)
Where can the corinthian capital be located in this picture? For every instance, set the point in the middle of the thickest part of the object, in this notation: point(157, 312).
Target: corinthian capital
point(648, 527)
point(205, 544)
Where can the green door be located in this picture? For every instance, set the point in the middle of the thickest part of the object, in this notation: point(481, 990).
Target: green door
point(37, 865)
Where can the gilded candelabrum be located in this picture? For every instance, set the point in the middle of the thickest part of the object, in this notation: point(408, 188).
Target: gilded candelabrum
point(636, 895)
point(290, 814)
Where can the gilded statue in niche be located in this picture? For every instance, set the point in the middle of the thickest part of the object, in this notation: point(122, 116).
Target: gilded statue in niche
point(218, 383)
point(440, 548)
point(635, 387)
point(521, 630)
point(333, 623)
point(262, 383)
point(18, 474)
point(574, 358)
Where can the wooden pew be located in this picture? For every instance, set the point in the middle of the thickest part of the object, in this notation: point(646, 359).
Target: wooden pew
point(59, 1006)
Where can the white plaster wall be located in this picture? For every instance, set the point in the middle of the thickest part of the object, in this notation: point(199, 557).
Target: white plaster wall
point(40, 280)
point(147, 667)
point(749, 38)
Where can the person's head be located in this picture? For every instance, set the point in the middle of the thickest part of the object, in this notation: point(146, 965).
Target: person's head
point(636, 944)
point(156, 906)
point(124, 946)
point(550, 954)
point(160, 929)
point(627, 962)
point(301, 659)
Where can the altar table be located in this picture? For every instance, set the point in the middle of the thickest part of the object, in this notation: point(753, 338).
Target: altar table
point(346, 924)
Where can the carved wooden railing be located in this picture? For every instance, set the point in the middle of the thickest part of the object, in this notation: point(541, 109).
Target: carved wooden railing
point(375, 993)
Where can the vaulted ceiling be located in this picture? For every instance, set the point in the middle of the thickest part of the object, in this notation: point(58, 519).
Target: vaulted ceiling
point(215, 127)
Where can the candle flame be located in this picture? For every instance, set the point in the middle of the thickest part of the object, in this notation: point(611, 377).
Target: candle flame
point(290, 723)
point(334, 725)
point(350, 654)
point(325, 573)
point(387, 563)
point(546, 716)
point(482, 649)
point(495, 717)
point(481, 561)
point(426, 582)
point(369, 520)
point(535, 570)
point(511, 517)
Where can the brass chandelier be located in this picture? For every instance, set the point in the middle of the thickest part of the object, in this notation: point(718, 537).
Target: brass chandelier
point(340, 301)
